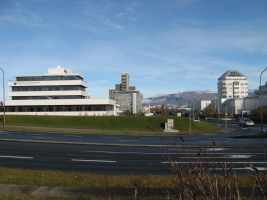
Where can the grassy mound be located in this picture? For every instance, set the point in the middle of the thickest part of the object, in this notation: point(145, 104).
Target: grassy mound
point(110, 123)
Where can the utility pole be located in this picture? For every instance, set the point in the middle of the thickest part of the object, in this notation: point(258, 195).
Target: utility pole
point(4, 101)
point(261, 97)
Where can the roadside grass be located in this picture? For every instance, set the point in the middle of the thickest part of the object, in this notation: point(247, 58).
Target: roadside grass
point(119, 123)
point(167, 187)
point(61, 179)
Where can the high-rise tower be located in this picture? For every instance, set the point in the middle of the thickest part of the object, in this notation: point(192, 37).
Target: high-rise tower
point(232, 84)
point(126, 96)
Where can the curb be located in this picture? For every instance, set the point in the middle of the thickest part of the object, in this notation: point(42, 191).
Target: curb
point(133, 145)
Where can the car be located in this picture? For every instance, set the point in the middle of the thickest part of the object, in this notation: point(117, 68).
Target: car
point(246, 122)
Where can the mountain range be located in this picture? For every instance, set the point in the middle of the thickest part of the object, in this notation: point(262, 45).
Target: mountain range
point(181, 99)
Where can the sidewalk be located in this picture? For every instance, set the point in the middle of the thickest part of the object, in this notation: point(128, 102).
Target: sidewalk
point(73, 191)
point(50, 191)
point(85, 192)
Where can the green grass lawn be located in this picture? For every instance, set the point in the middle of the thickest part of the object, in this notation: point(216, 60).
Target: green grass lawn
point(71, 179)
point(132, 123)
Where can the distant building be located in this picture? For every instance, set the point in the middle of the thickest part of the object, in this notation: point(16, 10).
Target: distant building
point(262, 90)
point(127, 96)
point(58, 92)
point(232, 84)
point(201, 105)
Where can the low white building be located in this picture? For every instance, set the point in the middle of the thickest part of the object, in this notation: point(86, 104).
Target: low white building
point(59, 92)
point(199, 106)
point(239, 105)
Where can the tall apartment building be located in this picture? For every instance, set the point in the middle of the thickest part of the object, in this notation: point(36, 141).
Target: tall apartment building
point(232, 84)
point(127, 96)
point(58, 92)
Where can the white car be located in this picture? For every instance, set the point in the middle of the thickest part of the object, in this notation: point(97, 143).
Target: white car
point(246, 122)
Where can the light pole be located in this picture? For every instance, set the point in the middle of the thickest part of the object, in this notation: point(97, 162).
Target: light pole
point(261, 97)
point(225, 116)
point(190, 121)
point(4, 103)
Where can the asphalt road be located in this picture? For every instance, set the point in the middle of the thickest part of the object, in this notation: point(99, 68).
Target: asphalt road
point(113, 154)
point(223, 139)
point(120, 160)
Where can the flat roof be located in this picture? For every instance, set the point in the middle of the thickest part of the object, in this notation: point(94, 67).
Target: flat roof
point(32, 75)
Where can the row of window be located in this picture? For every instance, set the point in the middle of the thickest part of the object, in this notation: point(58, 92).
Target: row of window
point(57, 108)
point(47, 88)
point(235, 79)
point(48, 78)
point(48, 97)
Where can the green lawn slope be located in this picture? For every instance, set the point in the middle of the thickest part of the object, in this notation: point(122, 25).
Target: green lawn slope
point(131, 123)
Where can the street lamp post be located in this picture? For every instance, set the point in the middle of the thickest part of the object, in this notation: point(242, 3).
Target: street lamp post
point(261, 97)
point(4, 103)
point(225, 116)
point(190, 122)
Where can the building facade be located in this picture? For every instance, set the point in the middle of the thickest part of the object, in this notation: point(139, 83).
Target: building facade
point(232, 84)
point(127, 96)
point(262, 90)
point(240, 105)
point(58, 83)
point(59, 92)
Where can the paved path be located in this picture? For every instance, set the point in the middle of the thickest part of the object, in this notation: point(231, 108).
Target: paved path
point(79, 192)
point(73, 191)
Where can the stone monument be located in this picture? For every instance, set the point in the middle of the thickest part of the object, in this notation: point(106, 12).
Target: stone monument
point(169, 126)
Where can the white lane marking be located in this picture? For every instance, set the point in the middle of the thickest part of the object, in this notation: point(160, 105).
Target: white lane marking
point(19, 157)
point(258, 168)
point(178, 162)
point(109, 137)
point(149, 138)
point(114, 152)
point(180, 149)
point(4, 133)
point(72, 136)
point(236, 156)
point(128, 140)
point(208, 141)
point(213, 157)
point(215, 149)
point(41, 137)
point(244, 168)
point(80, 160)
point(191, 138)
point(35, 133)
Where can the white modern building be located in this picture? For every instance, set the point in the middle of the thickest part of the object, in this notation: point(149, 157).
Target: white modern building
point(201, 105)
point(58, 92)
point(241, 105)
point(232, 84)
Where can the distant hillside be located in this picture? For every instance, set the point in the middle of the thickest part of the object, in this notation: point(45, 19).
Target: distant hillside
point(179, 99)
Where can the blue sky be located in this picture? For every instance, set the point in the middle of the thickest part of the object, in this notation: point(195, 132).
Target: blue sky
point(167, 46)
